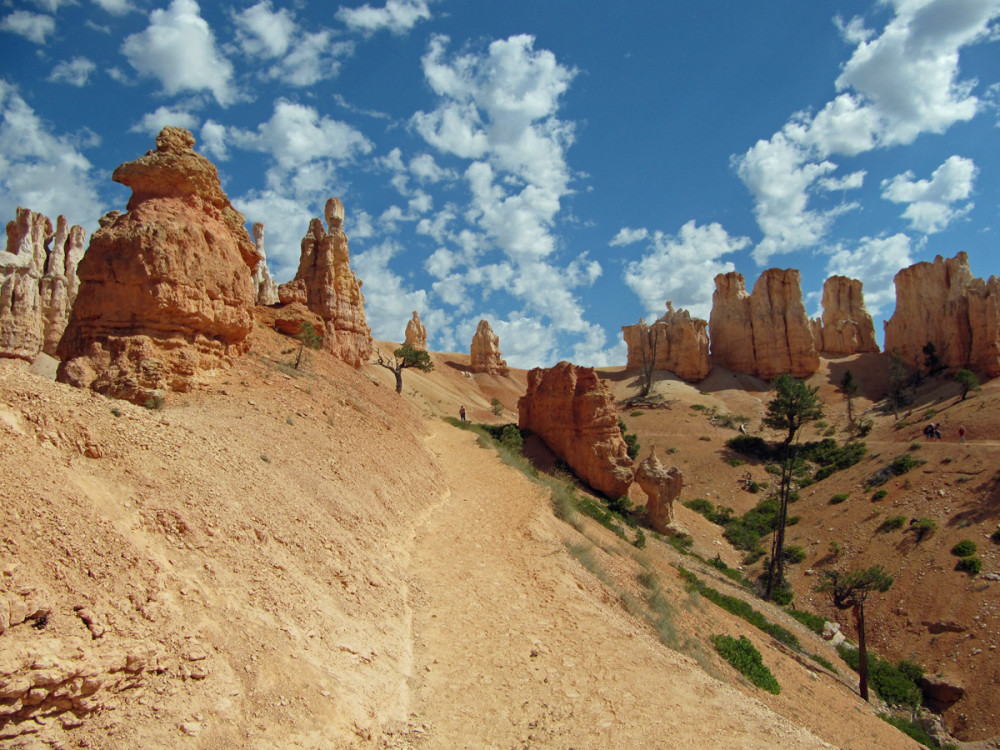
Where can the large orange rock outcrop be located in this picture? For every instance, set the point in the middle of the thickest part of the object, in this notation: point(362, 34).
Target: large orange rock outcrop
point(573, 412)
point(416, 333)
point(846, 327)
point(764, 333)
point(166, 290)
point(484, 354)
point(38, 283)
point(943, 304)
point(676, 341)
point(662, 486)
point(326, 284)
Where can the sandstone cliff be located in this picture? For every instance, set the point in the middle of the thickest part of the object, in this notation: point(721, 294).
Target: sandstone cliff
point(38, 283)
point(267, 287)
point(416, 334)
point(574, 413)
point(764, 333)
point(677, 342)
point(943, 304)
point(485, 351)
point(166, 288)
point(326, 285)
point(662, 486)
point(846, 327)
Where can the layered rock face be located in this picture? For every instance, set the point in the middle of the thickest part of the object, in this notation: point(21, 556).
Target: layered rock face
point(267, 287)
point(416, 334)
point(38, 283)
point(166, 289)
point(662, 486)
point(573, 412)
point(846, 327)
point(485, 351)
point(764, 333)
point(677, 342)
point(327, 286)
point(941, 303)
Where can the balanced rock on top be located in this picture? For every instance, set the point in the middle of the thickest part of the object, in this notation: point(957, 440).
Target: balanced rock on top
point(166, 289)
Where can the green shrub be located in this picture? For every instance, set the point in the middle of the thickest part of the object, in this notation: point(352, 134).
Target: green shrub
point(893, 685)
point(995, 536)
point(636, 414)
point(965, 548)
point(735, 461)
point(910, 669)
point(746, 659)
point(793, 554)
point(879, 494)
point(838, 499)
point(825, 663)
point(910, 728)
point(970, 565)
point(751, 446)
point(496, 407)
point(899, 466)
point(813, 622)
point(892, 523)
point(922, 527)
point(699, 505)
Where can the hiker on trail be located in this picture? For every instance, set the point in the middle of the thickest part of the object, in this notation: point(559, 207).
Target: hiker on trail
point(937, 431)
point(461, 412)
point(929, 431)
point(961, 433)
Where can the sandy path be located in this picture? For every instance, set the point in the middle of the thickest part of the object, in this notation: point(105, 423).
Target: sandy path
point(515, 645)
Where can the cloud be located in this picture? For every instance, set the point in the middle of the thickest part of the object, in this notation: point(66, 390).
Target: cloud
point(628, 236)
point(930, 202)
point(75, 72)
point(178, 48)
point(299, 58)
point(286, 221)
point(875, 262)
point(40, 170)
point(32, 26)
point(398, 16)
point(897, 84)
point(682, 268)
point(116, 7)
point(213, 140)
point(52, 5)
point(153, 122)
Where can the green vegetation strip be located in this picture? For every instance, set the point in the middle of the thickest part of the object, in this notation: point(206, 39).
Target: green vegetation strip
point(896, 684)
point(747, 660)
point(739, 608)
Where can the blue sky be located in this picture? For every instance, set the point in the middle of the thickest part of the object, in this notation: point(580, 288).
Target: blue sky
point(559, 168)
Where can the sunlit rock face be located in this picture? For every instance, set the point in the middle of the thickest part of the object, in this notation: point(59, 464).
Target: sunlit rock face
point(166, 289)
point(484, 354)
point(846, 327)
point(416, 334)
point(941, 303)
point(676, 342)
point(764, 333)
point(38, 283)
point(328, 287)
point(573, 412)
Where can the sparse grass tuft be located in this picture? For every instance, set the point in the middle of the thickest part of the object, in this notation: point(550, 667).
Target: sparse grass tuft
point(839, 498)
point(891, 524)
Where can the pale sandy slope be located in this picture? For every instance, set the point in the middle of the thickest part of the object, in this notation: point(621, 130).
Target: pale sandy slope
point(516, 646)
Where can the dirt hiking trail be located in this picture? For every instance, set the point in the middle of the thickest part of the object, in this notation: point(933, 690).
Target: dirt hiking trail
point(516, 645)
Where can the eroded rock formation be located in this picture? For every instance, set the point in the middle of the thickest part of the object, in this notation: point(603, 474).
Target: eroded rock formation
point(38, 283)
point(676, 342)
point(267, 287)
point(943, 304)
point(166, 289)
point(846, 327)
point(662, 486)
point(416, 334)
point(573, 412)
point(326, 284)
point(485, 351)
point(764, 333)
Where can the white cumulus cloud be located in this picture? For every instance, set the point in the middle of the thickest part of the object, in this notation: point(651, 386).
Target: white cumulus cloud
point(682, 268)
point(32, 26)
point(154, 122)
point(874, 261)
point(397, 16)
point(931, 203)
point(178, 48)
point(75, 72)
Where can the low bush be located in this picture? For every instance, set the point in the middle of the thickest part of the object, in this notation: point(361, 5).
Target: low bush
point(914, 731)
point(965, 548)
point(879, 495)
point(893, 684)
point(793, 554)
point(825, 663)
point(892, 524)
point(899, 466)
point(922, 527)
point(813, 622)
point(746, 659)
point(970, 565)
point(839, 498)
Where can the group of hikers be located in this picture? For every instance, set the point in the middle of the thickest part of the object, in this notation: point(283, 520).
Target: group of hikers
point(933, 432)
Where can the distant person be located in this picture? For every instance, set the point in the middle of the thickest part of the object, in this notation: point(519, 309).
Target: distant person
point(937, 431)
point(929, 431)
point(961, 433)
point(461, 412)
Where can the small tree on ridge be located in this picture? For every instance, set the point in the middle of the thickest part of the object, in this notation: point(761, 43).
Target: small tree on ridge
point(404, 357)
